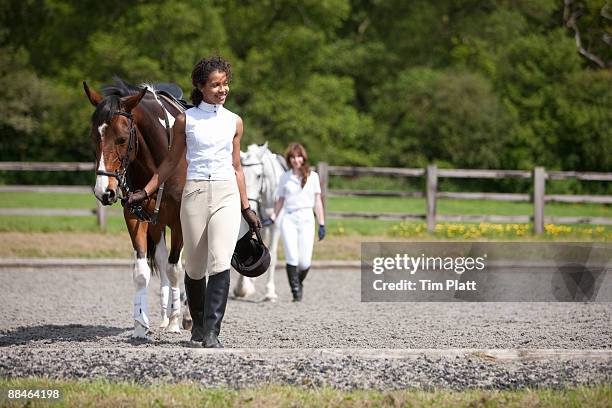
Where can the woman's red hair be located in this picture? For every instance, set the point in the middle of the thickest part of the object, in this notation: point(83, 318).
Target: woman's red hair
point(296, 150)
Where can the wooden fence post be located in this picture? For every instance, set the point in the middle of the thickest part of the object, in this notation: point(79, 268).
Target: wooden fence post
point(431, 189)
point(101, 215)
point(539, 188)
point(323, 170)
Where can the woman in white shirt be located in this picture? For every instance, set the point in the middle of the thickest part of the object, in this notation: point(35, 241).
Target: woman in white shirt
point(214, 194)
point(299, 192)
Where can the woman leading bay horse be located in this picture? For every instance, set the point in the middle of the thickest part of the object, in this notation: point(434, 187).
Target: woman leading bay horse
point(130, 128)
point(209, 136)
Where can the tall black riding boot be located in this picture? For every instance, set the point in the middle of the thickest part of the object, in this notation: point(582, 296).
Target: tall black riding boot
point(303, 274)
point(195, 289)
point(294, 282)
point(216, 300)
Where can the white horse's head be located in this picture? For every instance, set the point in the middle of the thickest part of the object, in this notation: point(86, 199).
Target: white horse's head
point(262, 171)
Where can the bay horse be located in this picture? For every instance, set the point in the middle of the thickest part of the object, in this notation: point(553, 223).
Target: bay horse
point(262, 171)
point(130, 130)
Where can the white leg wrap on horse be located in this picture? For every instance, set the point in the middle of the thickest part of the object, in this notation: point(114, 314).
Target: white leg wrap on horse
point(140, 307)
point(164, 303)
point(165, 299)
point(161, 262)
point(174, 273)
point(142, 275)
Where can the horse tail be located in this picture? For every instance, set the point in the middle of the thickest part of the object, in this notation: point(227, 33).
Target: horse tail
point(151, 253)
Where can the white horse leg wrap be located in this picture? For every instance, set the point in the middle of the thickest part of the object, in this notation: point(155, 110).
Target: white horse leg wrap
point(142, 275)
point(161, 262)
point(272, 236)
point(174, 273)
point(165, 299)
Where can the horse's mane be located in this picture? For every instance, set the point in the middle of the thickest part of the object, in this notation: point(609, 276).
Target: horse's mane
point(120, 88)
point(112, 100)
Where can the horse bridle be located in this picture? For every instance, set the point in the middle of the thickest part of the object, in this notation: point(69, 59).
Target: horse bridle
point(261, 184)
point(121, 173)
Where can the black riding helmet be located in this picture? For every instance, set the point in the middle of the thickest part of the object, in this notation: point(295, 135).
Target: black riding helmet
point(251, 257)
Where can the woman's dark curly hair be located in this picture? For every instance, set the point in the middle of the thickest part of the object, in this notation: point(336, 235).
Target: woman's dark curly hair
point(201, 71)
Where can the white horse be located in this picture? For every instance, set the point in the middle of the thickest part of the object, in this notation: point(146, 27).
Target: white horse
point(262, 171)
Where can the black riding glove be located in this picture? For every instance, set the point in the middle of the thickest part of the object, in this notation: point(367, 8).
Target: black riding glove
point(267, 222)
point(137, 196)
point(251, 218)
point(321, 232)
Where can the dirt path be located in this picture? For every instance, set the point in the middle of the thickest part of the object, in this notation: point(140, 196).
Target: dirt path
point(69, 323)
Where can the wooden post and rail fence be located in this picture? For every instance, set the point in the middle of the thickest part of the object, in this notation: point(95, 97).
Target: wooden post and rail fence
point(431, 194)
point(432, 174)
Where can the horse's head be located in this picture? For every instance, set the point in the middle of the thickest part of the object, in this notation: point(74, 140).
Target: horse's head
point(262, 172)
point(253, 168)
point(114, 134)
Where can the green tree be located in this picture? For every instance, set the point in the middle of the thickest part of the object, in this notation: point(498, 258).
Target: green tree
point(286, 89)
point(24, 103)
point(449, 117)
point(529, 73)
point(583, 121)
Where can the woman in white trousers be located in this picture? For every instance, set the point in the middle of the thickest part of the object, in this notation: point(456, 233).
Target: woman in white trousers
point(299, 192)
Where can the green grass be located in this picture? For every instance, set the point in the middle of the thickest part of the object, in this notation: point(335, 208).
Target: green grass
point(371, 204)
point(462, 207)
point(335, 226)
point(358, 226)
point(47, 200)
point(101, 393)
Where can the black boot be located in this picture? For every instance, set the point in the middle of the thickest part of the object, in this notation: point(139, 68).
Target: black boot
point(216, 300)
point(303, 274)
point(294, 282)
point(195, 289)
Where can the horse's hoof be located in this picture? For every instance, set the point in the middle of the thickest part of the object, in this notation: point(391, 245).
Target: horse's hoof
point(173, 325)
point(140, 331)
point(187, 324)
point(239, 293)
point(271, 298)
point(243, 293)
point(165, 322)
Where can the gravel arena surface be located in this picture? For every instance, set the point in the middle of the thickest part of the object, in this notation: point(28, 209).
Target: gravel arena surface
point(76, 324)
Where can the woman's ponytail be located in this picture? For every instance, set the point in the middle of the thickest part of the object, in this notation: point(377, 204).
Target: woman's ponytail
point(196, 97)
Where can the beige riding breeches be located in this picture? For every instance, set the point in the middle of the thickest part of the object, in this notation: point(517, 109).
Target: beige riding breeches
point(211, 222)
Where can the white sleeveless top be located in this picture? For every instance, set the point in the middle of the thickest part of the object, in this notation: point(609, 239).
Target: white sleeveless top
point(210, 130)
